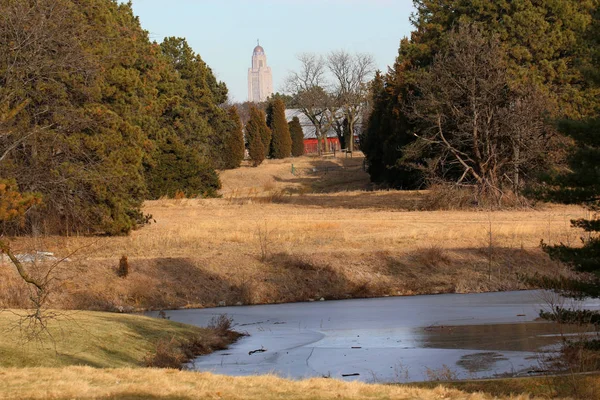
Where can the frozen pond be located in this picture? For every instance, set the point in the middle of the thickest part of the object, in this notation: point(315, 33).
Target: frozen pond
point(387, 339)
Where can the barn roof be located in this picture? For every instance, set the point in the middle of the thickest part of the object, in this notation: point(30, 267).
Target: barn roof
point(308, 128)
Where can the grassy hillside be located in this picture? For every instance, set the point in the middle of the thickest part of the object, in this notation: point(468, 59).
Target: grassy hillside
point(279, 237)
point(94, 339)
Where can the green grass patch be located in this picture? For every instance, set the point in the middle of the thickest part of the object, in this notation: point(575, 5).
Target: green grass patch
point(95, 339)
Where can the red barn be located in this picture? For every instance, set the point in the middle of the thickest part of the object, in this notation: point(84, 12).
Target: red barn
point(310, 139)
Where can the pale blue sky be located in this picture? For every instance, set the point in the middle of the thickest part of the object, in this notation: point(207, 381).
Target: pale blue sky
point(224, 32)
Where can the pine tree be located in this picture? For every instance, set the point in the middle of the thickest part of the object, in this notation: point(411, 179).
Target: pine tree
point(88, 106)
point(180, 169)
point(234, 144)
point(85, 75)
point(581, 185)
point(297, 137)
point(281, 141)
point(543, 41)
point(266, 135)
point(255, 131)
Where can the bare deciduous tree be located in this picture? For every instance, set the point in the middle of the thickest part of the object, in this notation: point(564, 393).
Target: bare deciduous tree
point(479, 128)
point(308, 86)
point(350, 90)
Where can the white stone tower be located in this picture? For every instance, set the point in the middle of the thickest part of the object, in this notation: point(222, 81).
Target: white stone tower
point(260, 78)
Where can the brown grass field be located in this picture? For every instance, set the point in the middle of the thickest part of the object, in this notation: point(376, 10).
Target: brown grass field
point(89, 383)
point(275, 236)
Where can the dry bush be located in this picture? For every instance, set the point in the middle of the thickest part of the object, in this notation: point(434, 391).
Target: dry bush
point(123, 268)
point(167, 355)
point(441, 374)
point(256, 196)
point(221, 324)
point(444, 196)
point(582, 355)
point(171, 353)
point(264, 237)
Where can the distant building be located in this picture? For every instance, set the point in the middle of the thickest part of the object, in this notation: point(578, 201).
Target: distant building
point(260, 77)
point(311, 145)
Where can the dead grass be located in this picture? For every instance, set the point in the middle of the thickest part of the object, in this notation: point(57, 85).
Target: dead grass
point(295, 175)
point(89, 383)
point(203, 252)
point(580, 387)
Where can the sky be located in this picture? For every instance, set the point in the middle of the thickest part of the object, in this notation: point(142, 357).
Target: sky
point(224, 32)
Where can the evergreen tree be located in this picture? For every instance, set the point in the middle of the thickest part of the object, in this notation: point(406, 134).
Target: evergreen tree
point(81, 82)
point(235, 148)
point(543, 41)
point(196, 109)
point(255, 133)
point(388, 133)
point(181, 170)
point(581, 185)
point(297, 137)
point(281, 141)
point(266, 136)
point(88, 110)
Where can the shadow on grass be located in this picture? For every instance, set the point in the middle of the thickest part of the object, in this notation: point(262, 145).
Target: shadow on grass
point(162, 283)
point(299, 278)
point(437, 270)
point(326, 176)
point(375, 200)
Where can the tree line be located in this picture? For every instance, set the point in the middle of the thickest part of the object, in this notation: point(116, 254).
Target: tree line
point(500, 98)
point(269, 134)
point(95, 118)
point(474, 93)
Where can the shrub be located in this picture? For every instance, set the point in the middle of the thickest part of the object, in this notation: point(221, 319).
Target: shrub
point(167, 355)
point(445, 196)
point(221, 324)
point(123, 269)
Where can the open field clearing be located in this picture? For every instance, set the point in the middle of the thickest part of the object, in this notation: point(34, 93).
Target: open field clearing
point(278, 237)
point(89, 383)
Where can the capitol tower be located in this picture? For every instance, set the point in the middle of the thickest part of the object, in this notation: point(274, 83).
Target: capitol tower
point(260, 78)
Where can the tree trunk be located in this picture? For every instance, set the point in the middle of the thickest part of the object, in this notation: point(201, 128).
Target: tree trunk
point(350, 137)
point(319, 139)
